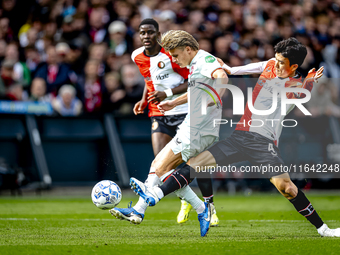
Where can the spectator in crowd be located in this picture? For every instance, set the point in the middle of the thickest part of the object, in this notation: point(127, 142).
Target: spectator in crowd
point(32, 59)
point(54, 73)
point(38, 91)
point(20, 72)
point(6, 32)
point(16, 92)
point(6, 78)
point(3, 47)
point(98, 51)
point(133, 87)
point(62, 49)
point(114, 94)
point(76, 58)
point(98, 17)
point(118, 43)
point(91, 89)
point(66, 103)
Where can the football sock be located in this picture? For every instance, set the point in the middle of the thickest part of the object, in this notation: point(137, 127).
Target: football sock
point(201, 208)
point(205, 185)
point(190, 196)
point(159, 192)
point(177, 180)
point(140, 206)
point(151, 181)
point(305, 208)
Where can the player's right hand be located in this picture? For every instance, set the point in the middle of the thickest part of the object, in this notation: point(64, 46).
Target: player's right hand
point(165, 106)
point(139, 107)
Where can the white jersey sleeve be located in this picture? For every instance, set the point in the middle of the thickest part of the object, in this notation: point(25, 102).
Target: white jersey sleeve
point(253, 68)
point(209, 66)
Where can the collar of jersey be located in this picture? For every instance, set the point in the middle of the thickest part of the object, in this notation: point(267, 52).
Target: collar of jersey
point(150, 56)
point(188, 66)
point(296, 76)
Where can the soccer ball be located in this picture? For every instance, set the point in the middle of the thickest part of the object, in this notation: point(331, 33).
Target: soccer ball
point(106, 195)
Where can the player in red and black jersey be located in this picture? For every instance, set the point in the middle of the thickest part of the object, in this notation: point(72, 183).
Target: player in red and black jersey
point(258, 144)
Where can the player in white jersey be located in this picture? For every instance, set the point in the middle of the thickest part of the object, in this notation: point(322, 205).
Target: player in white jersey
point(164, 80)
point(258, 145)
point(193, 136)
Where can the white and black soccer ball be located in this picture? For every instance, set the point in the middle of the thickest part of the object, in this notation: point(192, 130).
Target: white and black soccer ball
point(106, 194)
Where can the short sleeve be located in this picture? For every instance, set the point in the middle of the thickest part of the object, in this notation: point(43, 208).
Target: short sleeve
point(209, 65)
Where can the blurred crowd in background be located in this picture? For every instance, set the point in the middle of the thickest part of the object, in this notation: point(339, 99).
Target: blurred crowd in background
point(76, 54)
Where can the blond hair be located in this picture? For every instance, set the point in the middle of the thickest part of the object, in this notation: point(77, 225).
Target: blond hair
point(178, 39)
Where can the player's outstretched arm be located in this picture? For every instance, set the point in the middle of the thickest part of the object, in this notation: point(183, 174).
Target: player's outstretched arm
point(168, 105)
point(253, 68)
point(158, 96)
point(312, 76)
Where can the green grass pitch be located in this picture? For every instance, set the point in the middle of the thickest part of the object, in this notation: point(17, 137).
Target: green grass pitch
point(259, 224)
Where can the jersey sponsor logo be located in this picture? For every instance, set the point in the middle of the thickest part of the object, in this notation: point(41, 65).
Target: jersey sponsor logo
point(154, 125)
point(209, 59)
point(162, 77)
point(161, 65)
point(177, 141)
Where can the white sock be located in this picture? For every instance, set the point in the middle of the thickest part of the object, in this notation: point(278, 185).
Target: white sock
point(151, 181)
point(159, 192)
point(189, 195)
point(200, 209)
point(140, 206)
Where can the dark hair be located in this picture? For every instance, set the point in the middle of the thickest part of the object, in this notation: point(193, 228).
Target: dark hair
point(293, 50)
point(149, 22)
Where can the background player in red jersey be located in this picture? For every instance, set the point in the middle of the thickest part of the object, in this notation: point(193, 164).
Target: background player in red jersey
point(258, 145)
point(164, 80)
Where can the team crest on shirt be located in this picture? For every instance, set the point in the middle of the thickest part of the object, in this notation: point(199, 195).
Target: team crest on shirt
point(161, 65)
point(154, 125)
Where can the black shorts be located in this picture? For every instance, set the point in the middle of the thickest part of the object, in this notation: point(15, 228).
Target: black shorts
point(166, 124)
point(247, 146)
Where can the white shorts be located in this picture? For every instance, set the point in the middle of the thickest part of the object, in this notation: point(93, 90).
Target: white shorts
point(190, 146)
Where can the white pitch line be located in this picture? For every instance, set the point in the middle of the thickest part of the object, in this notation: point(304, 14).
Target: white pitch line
point(228, 221)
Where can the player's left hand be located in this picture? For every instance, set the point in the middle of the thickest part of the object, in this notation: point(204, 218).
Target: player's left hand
point(156, 97)
point(318, 74)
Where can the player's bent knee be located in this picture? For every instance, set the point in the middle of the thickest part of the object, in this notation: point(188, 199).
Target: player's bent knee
point(291, 190)
point(159, 170)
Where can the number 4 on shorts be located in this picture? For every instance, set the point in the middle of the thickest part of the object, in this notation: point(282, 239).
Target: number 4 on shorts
point(271, 149)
